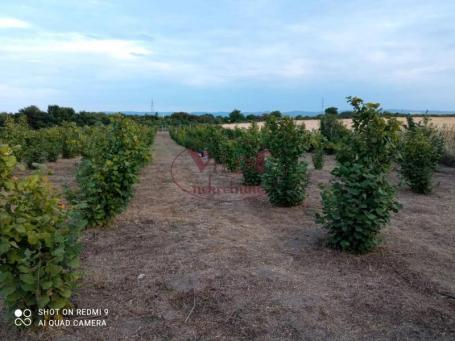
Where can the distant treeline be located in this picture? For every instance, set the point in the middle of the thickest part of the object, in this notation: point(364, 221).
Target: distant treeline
point(56, 115)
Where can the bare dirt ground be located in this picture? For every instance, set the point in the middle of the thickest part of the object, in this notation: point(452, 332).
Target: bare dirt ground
point(174, 266)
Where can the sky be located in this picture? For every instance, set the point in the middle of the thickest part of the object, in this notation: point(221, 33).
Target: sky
point(203, 55)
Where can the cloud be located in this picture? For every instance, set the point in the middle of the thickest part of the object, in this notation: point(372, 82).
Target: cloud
point(115, 48)
point(74, 43)
point(324, 46)
point(13, 23)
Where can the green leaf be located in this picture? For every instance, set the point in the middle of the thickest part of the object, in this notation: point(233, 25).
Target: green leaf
point(4, 246)
point(46, 285)
point(58, 303)
point(42, 301)
point(66, 292)
point(33, 238)
point(27, 278)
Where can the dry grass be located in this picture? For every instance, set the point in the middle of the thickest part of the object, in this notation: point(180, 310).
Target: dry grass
point(441, 122)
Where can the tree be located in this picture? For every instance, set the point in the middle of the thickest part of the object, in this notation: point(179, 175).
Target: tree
point(345, 114)
point(276, 113)
point(236, 116)
point(36, 118)
point(206, 118)
point(180, 117)
point(3, 117)
point(331, 111)
point(251, 118)
point(61, 114)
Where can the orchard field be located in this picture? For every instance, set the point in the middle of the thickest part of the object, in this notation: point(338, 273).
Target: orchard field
point(168, 264)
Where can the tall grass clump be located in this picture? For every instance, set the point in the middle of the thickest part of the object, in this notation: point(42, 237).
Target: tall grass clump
point(360, 199)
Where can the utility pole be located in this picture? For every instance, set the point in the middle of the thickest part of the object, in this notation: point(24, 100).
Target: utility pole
point(152, 108)
point(322, 106)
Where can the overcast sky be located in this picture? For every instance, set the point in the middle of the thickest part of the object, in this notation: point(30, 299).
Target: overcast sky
point(218, 55)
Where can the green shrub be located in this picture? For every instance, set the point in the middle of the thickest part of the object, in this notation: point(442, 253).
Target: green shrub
point(333, 130)
point(422, 147)
point(71, 140)
point(31, 146)
point(34, 156)
point(360, 199)
point(41, 146)
point(191, 137)
point(285, 177)
point(15, 133)
point(221, 144)
point(107, 174)
point(52, 142)
point(214, 140)
point(7, 164)
point(318, 158)
point(318, 142)
point(230, 154)
point(285, 184)
point(93, 139)
point(39, 243)
point(249, 147)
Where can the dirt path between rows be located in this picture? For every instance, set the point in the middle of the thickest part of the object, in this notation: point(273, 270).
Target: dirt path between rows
point(174, 266)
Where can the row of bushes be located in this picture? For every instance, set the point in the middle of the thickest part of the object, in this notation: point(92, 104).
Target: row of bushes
point(109, 169)
point(422, 146)
point(34, 147)
point(221, 144)
point(359, 201)
point(39, 240)
point(284, 175)
point(238, 149)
